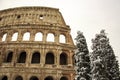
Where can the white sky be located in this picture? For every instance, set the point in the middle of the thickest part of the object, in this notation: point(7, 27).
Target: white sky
point(88, 16)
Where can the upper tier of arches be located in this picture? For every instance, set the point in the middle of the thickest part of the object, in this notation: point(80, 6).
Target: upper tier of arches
point(38, 37)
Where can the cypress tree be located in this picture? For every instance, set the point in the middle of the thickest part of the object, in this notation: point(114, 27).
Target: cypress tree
point(103, 61)
point(82, 61)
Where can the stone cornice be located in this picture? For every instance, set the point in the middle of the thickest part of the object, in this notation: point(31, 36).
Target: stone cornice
point(28, 8)
point(27, 44)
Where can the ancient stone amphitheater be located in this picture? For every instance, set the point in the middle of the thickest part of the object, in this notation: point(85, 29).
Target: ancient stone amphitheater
point(35, 44)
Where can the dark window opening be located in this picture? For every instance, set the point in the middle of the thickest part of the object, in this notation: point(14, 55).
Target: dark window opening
point(5, 78)
point(49, 78)
point(19, 78)
point(63, 59)
point(34, 78)
point(41, 16)
point(51, 24)
point(22, 57)
point(9, 57)
point(63, 78)
point(49, 58)
point(36, 57)
point(0, 19)
point(18, 17)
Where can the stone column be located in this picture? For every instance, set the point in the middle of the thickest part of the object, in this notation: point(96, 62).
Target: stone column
point(20, 35)
point(58, 57)
point(28, 58)
point(1, 35)
point(11, 77)
point(15, 56)
point(70, 58)
point(67, 38)
point(8, 37)
point(57, 38)
point(71, 76)
point(44, 37)
point(42, 58)
point(55, 57)
point(32, 35)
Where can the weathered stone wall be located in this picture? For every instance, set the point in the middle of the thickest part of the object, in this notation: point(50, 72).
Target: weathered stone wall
point(31, 15)
point(35, 20)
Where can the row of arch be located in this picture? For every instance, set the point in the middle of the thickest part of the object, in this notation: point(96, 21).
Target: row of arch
point(38, 37)
point(34, 78)
point(36, 57)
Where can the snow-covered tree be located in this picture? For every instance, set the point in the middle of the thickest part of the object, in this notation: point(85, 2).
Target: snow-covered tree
point(103, 61)
point(82, 61)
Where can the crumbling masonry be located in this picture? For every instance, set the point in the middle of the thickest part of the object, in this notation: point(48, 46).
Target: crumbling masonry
point(35, 44)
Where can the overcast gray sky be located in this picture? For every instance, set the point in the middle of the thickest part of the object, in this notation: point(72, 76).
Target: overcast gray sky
point(88, 16)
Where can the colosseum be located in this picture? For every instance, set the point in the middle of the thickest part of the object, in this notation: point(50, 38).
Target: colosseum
point(35, 44)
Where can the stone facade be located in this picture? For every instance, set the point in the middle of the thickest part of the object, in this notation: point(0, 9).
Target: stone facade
point(35, 44)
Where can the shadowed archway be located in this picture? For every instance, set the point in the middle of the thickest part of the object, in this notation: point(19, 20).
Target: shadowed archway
point(4, 78)
point(63, 59)
point(18, 78)
point(49, 78)
point(34, 78)
point(49, 58)
point(35, 57)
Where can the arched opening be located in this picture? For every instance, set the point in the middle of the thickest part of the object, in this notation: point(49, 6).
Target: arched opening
point(18, 78)
point(63, 59)
point(41, 16)
point(62, 39)
point(36, 57)
point(26, 36)
point(49, 78)
point(0, 19)
point(9, 57)
point(38, 36)
point(4, 37)
point(34, 78)
point(49, 58)
point(4, 78)
point(15, 36)
point(18, 17)
point(50, 37)
point(22, 57)
point(63, 78)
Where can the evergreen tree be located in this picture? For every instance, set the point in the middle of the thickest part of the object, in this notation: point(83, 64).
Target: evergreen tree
point(103, 61)
point(82, 61)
